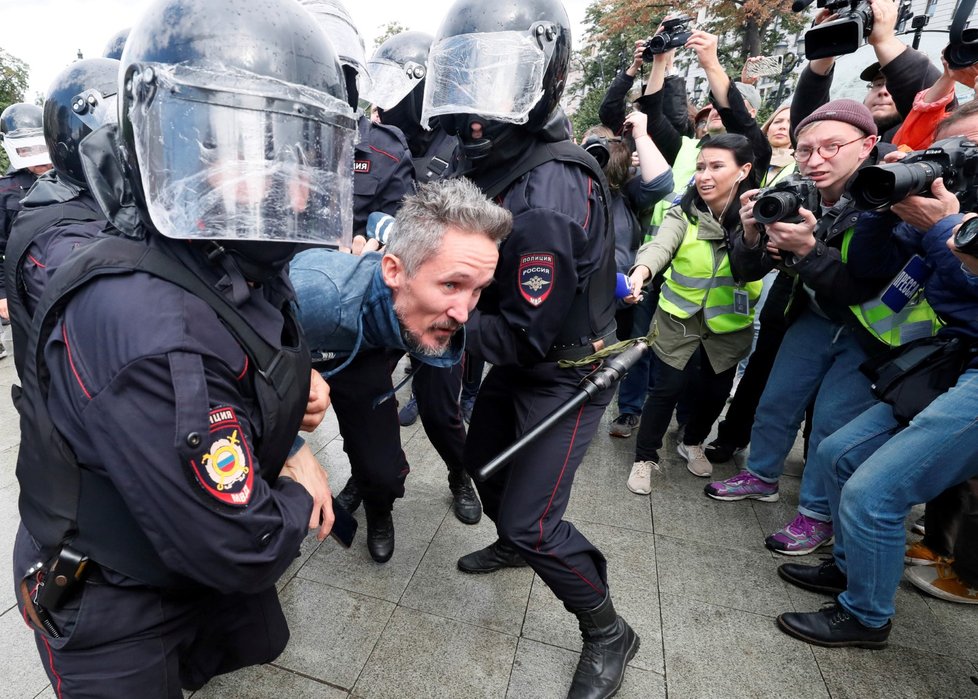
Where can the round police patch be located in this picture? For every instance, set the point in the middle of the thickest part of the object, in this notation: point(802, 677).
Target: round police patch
point(225, 470)
point(536, 276)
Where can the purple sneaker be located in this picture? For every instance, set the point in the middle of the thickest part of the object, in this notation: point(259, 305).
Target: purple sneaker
point(800, 536)
point(743, 486)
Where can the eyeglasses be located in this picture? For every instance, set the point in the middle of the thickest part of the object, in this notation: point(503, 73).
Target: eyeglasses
point(829, 150)
point(877, 84)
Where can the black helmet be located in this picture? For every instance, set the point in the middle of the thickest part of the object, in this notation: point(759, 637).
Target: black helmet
point(22, 133)
point(339, 27)
point(500, 63)
point(81, 99)
point(113, 49)
point(234, 123)
point(397, 71)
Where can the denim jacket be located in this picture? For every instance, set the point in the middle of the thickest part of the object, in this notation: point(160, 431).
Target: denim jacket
point(343, 306)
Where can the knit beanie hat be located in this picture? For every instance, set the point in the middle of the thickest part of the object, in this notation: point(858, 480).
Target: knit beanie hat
point(848, 111)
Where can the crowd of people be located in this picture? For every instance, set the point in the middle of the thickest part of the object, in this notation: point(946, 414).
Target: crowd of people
point(217, 172)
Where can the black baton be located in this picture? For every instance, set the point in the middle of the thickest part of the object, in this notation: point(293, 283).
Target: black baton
point(606, 376)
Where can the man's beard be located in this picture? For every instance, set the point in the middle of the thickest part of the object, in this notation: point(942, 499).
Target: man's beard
point(887, 122)
point(416, 346)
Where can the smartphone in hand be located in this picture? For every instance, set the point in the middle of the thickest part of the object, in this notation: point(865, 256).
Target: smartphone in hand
point(344, 526)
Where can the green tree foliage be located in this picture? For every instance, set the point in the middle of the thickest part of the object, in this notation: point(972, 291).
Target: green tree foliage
point(13, 83)
point(388, 30)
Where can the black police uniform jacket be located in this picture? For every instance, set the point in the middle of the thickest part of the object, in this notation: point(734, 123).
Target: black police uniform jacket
point(13, 188)
point(382, 172)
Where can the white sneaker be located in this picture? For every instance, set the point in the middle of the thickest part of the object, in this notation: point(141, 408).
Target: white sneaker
point(640, 479)
point(696, 461)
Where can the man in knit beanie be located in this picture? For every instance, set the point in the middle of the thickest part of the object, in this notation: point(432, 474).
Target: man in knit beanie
point(824, 345)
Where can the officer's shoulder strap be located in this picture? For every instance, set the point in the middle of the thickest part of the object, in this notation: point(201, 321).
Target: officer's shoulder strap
point(431, 166)
point(117, 255)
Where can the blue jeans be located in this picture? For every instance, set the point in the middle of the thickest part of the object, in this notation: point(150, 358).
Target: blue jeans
point(818, 359)
point(767, 280)
point(874, 472)
point(637, 383)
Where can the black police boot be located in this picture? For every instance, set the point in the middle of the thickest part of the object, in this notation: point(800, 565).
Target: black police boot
point(380, 534)
point(466, 505)
point(609, 643)
point(825, 577)
point(495, 556)
point(834, 627)
point(349, 498)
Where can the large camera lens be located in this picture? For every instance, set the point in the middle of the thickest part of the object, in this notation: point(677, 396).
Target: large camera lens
point(659, 43)
point(966, 239)
point(775, 207)
point(877, 188)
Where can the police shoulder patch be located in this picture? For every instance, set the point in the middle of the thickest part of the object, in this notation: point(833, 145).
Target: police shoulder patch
point(361, 166)
point(536, 276)
point(225, 470)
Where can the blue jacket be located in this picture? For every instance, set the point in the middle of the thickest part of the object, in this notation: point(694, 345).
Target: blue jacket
point(343, 306)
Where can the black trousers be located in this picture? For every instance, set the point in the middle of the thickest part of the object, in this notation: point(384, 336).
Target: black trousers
point(371, 432)
point(527, 498)
point(669, 385)
point(124, 642)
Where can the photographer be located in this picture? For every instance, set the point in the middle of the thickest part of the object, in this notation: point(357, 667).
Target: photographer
point(823, 347)
point(893, 82)
point(877, 467)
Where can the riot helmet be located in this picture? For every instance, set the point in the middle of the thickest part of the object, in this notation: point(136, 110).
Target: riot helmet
point(339, 27)
point(235, 126)
point(22, 132)
point(115, 45)
point(503, 65)
point(81, 99)
point(397, 71)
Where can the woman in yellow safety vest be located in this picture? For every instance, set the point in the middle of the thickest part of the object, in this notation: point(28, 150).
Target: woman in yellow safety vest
point(705, 314)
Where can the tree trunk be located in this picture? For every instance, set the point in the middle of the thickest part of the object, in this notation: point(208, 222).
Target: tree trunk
point(752, 38)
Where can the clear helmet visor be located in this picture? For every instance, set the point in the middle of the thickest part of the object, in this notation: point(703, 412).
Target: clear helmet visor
point(496, 75)
point(265, 161)
point(392, 82)
point(26, 148)
point(345, 38)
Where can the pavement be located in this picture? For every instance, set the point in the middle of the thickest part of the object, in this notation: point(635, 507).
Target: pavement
point(690, 574)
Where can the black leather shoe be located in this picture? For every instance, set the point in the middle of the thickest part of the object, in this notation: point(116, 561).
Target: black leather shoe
point(833, 627)
point(609, 643)
point(349, 498)
point(493, 557)
point(465, 503)
point(380, 536)
point(825, 577)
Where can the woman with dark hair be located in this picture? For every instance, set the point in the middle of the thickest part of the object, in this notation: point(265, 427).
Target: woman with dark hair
point(703, 309)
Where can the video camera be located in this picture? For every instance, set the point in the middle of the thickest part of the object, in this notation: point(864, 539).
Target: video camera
point(849, 31)
point(675, 33)
point(781, 201)
point(955, 160)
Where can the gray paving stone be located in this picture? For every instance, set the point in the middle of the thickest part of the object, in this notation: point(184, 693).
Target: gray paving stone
point(893, 673)
point(421, 655)
point(23, 674)
point(917, 627)
point(712, 651)
point(496, 601)
point(8, 466)
point(266, 681)
point(309, 546)
point(632, 580)
point(717, 575)
point(610, 503)
point(961, 624)
point(544, 672)
point(9, 521)
point(333, 631)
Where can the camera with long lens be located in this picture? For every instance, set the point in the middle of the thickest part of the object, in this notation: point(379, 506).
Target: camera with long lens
point(847, 33)
point(955, 160)
point(966, 239)
point(782, 201)
point(675, 33)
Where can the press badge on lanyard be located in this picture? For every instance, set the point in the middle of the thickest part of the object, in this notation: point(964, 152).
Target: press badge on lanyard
point(741, 302)
point(906, 285)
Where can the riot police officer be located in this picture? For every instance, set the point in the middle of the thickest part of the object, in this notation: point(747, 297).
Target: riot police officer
point(166, 376)
point(60, 213)
point(23, 140)
point(553, 299)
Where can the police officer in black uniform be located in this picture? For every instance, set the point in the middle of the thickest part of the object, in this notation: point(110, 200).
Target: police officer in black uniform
point(23, 140)
point(166, 377)
point(553, 299)
point(60, 213)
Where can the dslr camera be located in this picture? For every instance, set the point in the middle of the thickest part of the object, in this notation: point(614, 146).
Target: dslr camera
point(675, 33)
point(955, 160)
point(847, 33)
point(781, 201)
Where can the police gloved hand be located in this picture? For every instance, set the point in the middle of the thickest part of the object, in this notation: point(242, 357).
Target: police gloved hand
point(317, 404)
point(923, 212)
point(305, 469)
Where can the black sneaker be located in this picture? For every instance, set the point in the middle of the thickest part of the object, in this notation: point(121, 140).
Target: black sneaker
point(495, 556)
point(833, 627)
point(718, 453)
point(623, 425)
